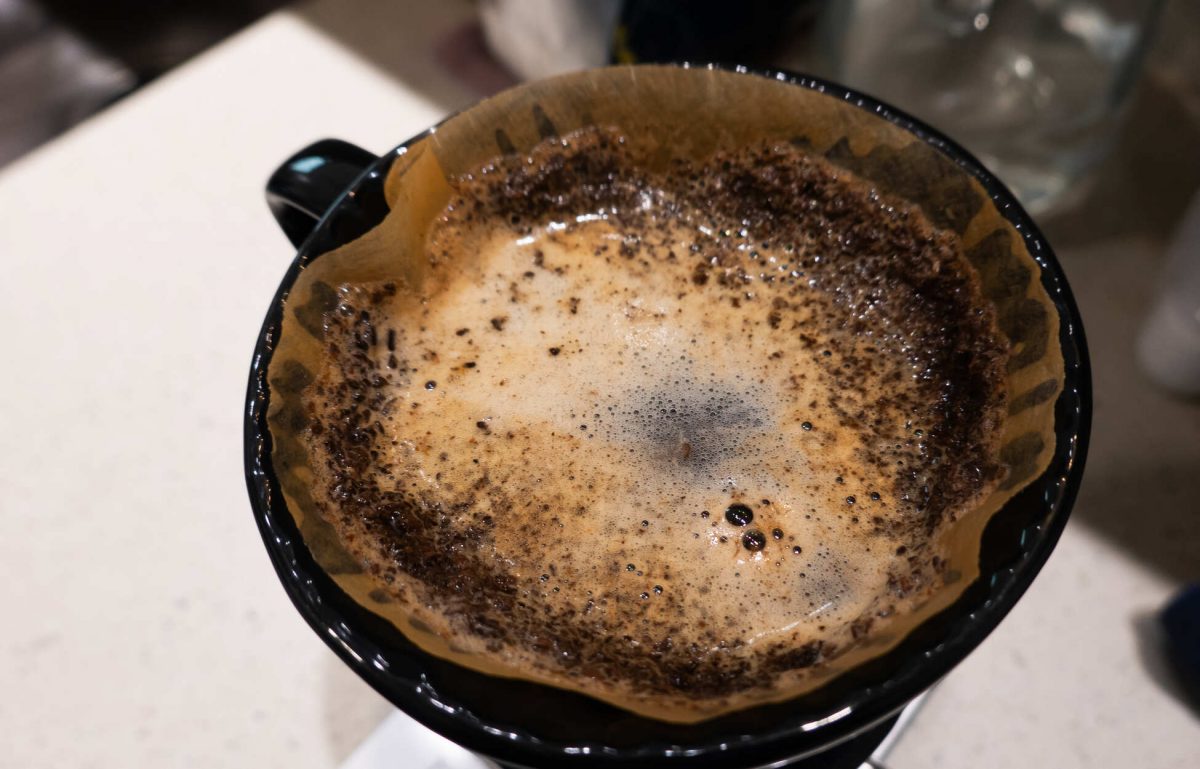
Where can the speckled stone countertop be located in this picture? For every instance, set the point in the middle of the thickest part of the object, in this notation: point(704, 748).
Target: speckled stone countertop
point(144, 624)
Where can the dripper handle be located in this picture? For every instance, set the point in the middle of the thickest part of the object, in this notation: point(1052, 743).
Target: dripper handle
point(308, 183)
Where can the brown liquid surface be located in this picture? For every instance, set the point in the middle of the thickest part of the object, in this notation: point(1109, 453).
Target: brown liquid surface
point(680, 436)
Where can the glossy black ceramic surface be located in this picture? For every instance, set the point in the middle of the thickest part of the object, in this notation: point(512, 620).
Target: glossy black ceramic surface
point(529, 725)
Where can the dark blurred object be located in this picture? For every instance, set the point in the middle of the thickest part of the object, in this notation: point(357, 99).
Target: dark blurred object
point(49, 79)
point(1181, 623)
point(62, 60)
point(151, 36)
point(748, 32)
point(539, 38)
point(1175, 62)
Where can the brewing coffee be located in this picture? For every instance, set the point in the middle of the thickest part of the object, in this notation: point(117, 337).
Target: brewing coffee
point(669, 438)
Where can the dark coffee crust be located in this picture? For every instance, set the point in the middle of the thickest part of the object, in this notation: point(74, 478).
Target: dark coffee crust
point(886, 267)
point(887, 285)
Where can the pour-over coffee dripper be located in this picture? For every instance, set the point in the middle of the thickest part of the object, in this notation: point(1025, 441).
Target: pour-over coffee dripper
point(332, 193)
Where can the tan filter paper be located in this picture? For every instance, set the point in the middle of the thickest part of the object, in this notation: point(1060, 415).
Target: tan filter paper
point(666, 113)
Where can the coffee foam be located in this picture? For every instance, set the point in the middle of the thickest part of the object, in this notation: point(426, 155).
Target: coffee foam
point(551, 449)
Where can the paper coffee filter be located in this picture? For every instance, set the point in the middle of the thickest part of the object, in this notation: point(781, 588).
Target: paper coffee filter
point(667, 112)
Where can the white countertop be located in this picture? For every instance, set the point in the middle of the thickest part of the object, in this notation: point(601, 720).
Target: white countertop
point(145, 626)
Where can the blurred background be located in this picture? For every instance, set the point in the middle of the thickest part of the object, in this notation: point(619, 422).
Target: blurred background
point(1038, 89)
